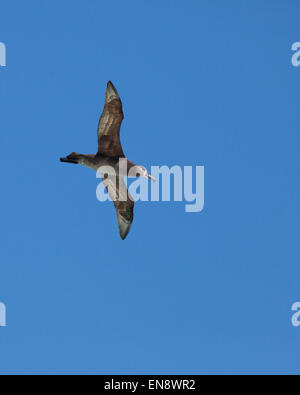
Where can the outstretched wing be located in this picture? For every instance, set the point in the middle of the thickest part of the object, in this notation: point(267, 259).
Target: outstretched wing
point(109, 125)
point(123, 202)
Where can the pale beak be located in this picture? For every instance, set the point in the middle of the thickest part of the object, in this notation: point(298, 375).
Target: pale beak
point(151, 178)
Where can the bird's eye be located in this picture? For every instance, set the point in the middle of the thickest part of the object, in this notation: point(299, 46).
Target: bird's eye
point(105, 175)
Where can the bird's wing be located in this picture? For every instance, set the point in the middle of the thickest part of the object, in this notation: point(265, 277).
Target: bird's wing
point(123, 202)
point(109, 125)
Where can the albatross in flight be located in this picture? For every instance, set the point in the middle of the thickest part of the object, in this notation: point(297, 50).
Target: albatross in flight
point(108, 156)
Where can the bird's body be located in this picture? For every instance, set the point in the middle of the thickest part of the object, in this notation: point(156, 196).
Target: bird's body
point(96, 161)
point(107, 159)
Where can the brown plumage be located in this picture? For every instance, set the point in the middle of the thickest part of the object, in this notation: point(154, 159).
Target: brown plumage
point(109, 153)
point(109, 143)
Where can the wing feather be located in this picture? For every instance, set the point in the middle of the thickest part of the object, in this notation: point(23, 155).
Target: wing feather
point(123, 203)
point(109, 143)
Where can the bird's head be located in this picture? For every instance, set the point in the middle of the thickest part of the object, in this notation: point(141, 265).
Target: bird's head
point(142, 172)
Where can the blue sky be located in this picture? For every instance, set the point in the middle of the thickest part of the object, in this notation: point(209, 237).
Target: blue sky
point(202, 83)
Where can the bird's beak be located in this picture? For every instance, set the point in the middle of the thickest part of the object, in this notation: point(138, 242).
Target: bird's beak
point(151, 178)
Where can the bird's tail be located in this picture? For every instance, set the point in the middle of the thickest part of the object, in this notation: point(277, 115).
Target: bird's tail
point(72, 158)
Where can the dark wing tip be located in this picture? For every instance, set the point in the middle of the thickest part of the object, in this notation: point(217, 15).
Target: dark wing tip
point(124, 225)
point(124, 231)
point(111, 92)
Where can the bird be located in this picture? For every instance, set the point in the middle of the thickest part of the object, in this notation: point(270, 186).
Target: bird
point(109, 154)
